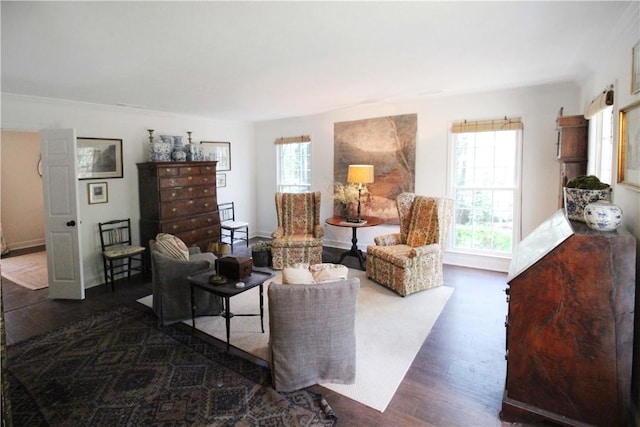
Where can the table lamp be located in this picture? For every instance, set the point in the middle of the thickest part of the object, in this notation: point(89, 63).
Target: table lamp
point(359, 174)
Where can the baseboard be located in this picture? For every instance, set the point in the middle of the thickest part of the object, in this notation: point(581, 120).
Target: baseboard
point(28, 244)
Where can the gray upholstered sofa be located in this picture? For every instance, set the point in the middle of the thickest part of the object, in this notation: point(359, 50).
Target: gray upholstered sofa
point(171, 290)
point(312, 333)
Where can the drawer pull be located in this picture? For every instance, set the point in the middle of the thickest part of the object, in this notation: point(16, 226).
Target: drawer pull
point(209, 219)
point(174, 209)
point(167, 170)
point(175, 227)
point(206, 190)
point(209, 232)
point(173, 194)
point(189, 178)
point(189, 169)
point(190, 202)
point(190, 189)
point(206, 205)
point(205, 179)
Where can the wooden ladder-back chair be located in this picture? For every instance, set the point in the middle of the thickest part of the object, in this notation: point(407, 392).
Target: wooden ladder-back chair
point(119, 256)
point(235, 231)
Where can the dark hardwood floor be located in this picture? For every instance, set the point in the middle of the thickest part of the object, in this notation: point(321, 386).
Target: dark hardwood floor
point(456, 379)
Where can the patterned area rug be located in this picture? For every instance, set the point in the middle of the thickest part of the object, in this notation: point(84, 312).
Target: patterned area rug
point(118, 369)
point(28, 270)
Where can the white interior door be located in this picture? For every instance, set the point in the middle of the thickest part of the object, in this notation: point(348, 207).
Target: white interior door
point(61, 224)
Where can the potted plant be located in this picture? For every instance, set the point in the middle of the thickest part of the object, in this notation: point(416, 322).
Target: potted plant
point(582, 190)
point(261, 254)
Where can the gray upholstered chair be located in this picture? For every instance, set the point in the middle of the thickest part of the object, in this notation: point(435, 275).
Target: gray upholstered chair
point(312, 335)
point(171, 289)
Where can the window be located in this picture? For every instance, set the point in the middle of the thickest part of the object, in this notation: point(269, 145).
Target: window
point(601, 145)
point(485, 182)
point(294, 164)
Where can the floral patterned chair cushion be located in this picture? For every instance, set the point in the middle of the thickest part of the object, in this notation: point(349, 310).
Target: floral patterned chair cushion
point(298, 238)
point(411, 260)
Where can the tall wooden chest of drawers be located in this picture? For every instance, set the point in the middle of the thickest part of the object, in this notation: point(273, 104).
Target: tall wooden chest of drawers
point(179, 198)
point(570, 325)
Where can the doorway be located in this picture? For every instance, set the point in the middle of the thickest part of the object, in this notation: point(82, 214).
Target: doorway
point(21, 197)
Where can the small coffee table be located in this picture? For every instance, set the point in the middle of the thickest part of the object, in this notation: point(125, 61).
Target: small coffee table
point(227, 290)
point(368, 221)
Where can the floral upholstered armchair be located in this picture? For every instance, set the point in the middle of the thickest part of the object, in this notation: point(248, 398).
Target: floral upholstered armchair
point(298, 238)
point(411, 260)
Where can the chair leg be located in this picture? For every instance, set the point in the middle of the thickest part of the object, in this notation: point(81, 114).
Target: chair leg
point(106, 275)
point(232, 240)
point(246, 235)
point(113, 281)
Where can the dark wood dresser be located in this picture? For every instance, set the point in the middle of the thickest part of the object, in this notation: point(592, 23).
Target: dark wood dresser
point(179, 198)
point(570, 325)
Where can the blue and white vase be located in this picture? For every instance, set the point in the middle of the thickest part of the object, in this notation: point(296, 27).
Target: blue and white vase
point(160, 152)
point(603, 215)
point(576, 199)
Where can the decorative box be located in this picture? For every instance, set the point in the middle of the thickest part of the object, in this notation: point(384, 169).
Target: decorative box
point(234, 267)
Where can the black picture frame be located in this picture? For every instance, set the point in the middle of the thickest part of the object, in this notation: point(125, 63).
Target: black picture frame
point(219, 151)
point(98, 192)
point(99, 158)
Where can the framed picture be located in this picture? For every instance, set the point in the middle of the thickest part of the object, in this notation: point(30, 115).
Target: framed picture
point(99, 158)
point(98, 192)
point(635, 68)
point(629, 149)
point(221, 180)
point(220, 151)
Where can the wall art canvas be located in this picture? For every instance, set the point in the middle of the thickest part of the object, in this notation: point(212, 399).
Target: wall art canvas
point(387, 143)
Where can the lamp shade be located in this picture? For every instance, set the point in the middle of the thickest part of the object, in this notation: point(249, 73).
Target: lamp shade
point(360, 174)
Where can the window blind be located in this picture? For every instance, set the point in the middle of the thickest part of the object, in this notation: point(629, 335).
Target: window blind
point(487, 125)
point(292, 139)
point(599, 103)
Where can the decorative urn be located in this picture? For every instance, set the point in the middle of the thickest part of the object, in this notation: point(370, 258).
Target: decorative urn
point(603, 215)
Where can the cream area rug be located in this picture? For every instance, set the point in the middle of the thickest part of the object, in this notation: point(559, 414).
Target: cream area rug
point(28, 270)
point(390, 330)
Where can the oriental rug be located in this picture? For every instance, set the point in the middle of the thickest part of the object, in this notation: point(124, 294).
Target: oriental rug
point(28, 270)
point(118, 369)
point(390, 330)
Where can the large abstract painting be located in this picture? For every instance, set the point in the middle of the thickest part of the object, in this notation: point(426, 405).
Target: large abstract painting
point(387, 143)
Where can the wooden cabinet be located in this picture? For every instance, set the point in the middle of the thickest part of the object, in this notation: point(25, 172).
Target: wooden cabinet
point(572, 149)
point(570, 325)
point(179, 198)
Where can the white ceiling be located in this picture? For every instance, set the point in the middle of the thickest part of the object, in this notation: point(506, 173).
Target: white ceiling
point(257, 61)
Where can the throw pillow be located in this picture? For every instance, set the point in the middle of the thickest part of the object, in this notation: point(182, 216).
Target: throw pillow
point(423, 227)
point(297, 275)
point(172, 246)
point(323, 273)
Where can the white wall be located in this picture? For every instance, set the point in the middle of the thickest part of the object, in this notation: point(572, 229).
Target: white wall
point(538, 106)
point(130, 125)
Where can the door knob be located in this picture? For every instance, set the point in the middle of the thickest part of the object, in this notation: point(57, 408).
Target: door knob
point(71, 223)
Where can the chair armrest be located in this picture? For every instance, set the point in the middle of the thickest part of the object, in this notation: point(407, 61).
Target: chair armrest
point(171, 290)
point(278, 233)
point(318, 231)
point(424, 250)
point(387, 239)
point(194, 250)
